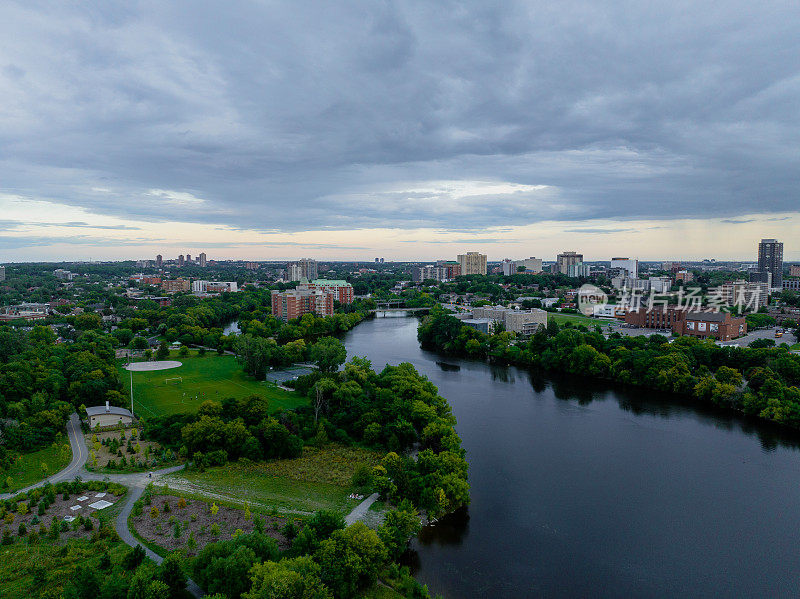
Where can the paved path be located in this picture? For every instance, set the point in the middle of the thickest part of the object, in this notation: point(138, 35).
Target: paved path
point(360, 510)
point(75, 467)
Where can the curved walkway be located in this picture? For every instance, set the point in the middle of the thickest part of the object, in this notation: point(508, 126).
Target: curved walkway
point(135, 482)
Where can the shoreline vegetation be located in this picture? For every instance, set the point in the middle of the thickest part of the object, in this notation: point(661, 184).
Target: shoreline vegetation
point(761, 383)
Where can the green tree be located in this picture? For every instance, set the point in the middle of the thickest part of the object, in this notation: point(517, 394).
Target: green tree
point(297, 578)
point(328, 353)
point(350, 559)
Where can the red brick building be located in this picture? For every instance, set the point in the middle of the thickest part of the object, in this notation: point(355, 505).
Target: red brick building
point(718, 325)
point(342, 291)
point(294, 303)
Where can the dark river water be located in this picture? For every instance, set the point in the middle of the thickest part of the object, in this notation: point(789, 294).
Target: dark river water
point(581, 490)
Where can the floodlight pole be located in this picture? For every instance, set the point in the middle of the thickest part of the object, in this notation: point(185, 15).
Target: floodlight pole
point(131, 371)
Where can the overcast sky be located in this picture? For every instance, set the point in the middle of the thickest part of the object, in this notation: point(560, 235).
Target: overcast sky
point(417, 130)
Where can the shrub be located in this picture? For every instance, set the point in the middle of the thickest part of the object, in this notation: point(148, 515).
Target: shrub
point(154, 512)
point(214, 509)
point(215, 530)
point(181, 503)
point(167, 509)
point(22, 530)
point(87, 524)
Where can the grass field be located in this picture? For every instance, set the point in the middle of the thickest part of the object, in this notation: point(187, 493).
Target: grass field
point(27, 470)
point(206, 377)
point(578, 319)
point(319, 479)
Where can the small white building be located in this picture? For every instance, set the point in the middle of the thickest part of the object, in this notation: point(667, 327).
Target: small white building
point(108, 415)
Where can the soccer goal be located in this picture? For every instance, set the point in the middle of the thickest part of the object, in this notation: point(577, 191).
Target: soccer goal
point(174, 380)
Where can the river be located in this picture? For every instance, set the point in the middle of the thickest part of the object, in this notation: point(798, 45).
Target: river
point(584, 490)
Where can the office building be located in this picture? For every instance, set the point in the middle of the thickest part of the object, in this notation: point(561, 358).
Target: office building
point(566, 259)
point(770, 259)
point(175, 286)
point(214, 287)
point(159, 261)
point(303, 269)
point(292, 304)
point(472, 263)
point(342, 291)
point(631, 267)
point(203, 260)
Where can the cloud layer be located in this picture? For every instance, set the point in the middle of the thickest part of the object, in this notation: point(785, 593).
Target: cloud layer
point(451, 116)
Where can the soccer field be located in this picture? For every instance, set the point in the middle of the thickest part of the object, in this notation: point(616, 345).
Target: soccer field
point(208, 377)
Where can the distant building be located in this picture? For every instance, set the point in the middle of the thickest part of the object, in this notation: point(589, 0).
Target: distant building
point(203, 260)
point(214, 287)
point(103, 416)
point(175, 286)
point(631, 267)
point(524, 322)
point(181, 260)
point(303, 269)
point(2, 273)
point(671, 266)
point(63, 275)
point(794, 270)
point(684, 276)
point(579, 270)
point(660, 284)
point(770, 259)
point(532, 265)
point(452, 269)
point(749, 295)
point(189, 258)
point(146, 279)
point(159, 261)
point(26, 311)
point(342, 291)
point(483, 325)
point(435, 273)
point(252, 265)
point(791, 284)
point(292, 304)
point(566, 259)
point(472, 263)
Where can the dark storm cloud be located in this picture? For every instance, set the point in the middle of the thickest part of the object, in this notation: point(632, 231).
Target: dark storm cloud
point(281, 116)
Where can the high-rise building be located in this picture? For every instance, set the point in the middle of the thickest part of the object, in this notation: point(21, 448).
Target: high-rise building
point(631, 267)
point(188, 257)
point(566, 259)
point(342, 290)
point(181, 260)
point(303, 269)
point(770, 259)
point(472, 263)
point(202, 259)
point(159, 261)
point(579, 270)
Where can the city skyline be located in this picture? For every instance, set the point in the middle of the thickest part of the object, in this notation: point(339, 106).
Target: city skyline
point(398, 130)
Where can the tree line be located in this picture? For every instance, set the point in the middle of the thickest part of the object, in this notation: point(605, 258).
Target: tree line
point(760, 382)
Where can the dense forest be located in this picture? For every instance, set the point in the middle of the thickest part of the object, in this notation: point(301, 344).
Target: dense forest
point(758, 382)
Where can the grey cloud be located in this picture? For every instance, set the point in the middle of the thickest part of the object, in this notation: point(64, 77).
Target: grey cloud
point(15, 224)
point(738, 221)
point(279, 118)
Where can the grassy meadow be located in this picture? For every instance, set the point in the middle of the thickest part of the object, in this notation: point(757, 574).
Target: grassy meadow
point(204, 377)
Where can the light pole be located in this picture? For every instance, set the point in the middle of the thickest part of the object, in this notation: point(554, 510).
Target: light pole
point(130, 370)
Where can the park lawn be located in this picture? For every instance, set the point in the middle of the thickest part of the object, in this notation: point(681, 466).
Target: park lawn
point(577, 319)
point(319, 479)
point(53, 563)
point(27, 470)
point(204, 377)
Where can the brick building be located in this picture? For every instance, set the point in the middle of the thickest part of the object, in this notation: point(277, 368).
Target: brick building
point(175, 285)
point(718, 325)
point(292, 304)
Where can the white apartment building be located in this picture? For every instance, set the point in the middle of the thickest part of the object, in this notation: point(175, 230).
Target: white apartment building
point(472, 263)
point(214, 287)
